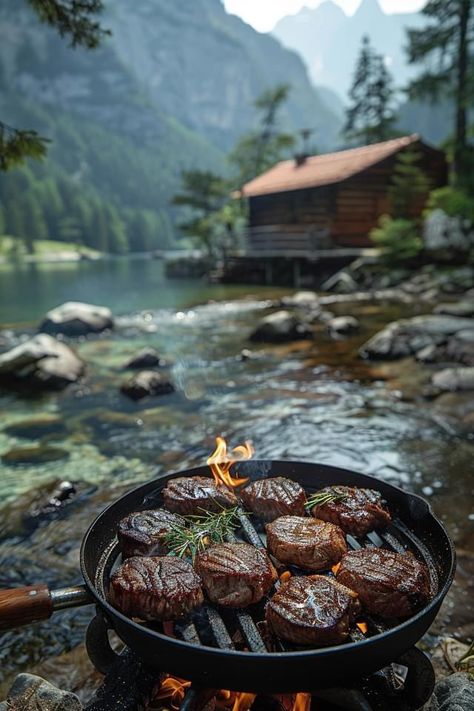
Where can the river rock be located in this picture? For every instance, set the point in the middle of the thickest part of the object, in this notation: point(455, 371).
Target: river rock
point(442, 232)
point(456, 308)
point(77, 319)
point(42, 362)
point(280, 327)
point(342, 325)
point(34, 455)
point(147, 382)
point(32, 693)
point(146, 358)
point(460, 347)
point(408, 336)
point(305, 299)
point(454, 693)
point(454, 379)
point(37, 427)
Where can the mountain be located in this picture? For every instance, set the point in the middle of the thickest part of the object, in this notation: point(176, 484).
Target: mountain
point(172, 89)
point(329, 40)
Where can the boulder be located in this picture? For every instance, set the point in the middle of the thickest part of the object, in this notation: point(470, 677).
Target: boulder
point(37, 427)
point(342, 325)
point(408, 336)
point(443, 232)
point(146, 358)
point(32, 693)
point(456, 308)
point(77, 319)
point(34, 455)
point(147, 382)
point(41, 362)
point(454, 379)
point(305, 299)
point(460, 347)
point(280, 327)
point(453, 693)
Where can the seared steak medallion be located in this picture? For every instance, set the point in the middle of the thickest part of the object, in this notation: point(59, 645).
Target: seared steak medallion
point(358, 511)
point(312, 610)
point(235, 574)
point(271, 498)
point(306, 542)
point(389, 584)
point(191, 495)
point(143, 532)
point(155, 588)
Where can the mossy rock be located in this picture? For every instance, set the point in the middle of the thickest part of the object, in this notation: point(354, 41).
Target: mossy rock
point(37, 427)
point(34, 455)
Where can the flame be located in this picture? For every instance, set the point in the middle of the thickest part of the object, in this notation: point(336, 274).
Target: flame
point(302, 702)
point(243, 701)
point(220, 462)
point(173, 688)
point(335, 568)
point(362, 626)
point(286, 575)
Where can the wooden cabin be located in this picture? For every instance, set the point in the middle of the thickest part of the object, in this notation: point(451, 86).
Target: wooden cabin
point(327, 201)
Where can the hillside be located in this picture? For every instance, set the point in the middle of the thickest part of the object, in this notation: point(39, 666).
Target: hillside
point(171, 89)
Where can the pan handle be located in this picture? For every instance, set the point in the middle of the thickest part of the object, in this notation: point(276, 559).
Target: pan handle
point(22, 606)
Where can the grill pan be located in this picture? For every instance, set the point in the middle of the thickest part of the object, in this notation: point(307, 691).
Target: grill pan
point(203, 650)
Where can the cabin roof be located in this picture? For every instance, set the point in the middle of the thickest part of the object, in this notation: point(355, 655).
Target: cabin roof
point(324, 169)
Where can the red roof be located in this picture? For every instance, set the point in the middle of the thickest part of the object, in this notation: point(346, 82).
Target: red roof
point(324, 169)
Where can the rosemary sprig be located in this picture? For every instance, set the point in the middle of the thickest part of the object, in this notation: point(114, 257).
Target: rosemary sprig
point(320, 498)
point(203, 530)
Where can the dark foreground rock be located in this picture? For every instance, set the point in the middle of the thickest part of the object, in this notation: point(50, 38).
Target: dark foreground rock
point(146, 358)
point(32, 693)
point(41, 362)
point(454, 693)
point(409, 336)
point(77, 319)
point(145, 383)
point(281, 327)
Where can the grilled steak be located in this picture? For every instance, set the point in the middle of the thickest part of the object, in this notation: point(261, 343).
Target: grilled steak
point(358, 511)
point(271, 498)
point(312, 610)
point(155, 588)
point(389, 584)
point(191, 495)
point(307, 542)
point(142, 533)
point(235, 574)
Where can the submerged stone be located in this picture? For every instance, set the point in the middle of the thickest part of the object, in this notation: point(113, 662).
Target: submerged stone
point(75, 318)
point(146, 358)
point(36, 427)
point(145, 383)
point(34, 455)
point(280, 327)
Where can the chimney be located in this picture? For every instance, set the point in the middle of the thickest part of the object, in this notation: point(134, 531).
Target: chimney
point(300, 158)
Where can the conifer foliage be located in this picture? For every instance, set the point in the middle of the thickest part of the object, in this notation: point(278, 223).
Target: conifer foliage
point(370, 116)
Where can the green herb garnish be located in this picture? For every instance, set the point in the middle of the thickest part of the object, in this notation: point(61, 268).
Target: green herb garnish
point(203, 530)
point(320, 498)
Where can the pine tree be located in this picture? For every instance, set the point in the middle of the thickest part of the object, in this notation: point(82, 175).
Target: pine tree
point(410, 185)
point(370, 116)
point(444, 47)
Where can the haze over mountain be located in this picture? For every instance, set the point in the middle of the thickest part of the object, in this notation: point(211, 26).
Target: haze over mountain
point(171, 89)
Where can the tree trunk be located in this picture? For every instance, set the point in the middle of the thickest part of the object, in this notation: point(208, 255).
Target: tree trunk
point(460, 147)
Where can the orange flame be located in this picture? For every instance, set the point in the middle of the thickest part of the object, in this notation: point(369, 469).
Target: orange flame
point(362, 626)
point(335, 568)
point(220, 462)
point(302, 702)
point(243, 701)
point(173, 688)
point(286, 575)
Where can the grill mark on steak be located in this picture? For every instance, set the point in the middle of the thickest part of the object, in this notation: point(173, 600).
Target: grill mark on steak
point(314, 610)
point(191, 495)
point(155, 588)
point(274, 497)
point(360, 511)
point(389, 584)
point(142, 533)
point(235, 574)
point(306, 542)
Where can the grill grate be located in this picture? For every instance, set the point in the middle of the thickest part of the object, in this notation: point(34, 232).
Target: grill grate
point(224, 625)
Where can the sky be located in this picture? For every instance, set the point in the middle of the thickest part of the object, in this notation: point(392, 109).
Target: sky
point(264, 14)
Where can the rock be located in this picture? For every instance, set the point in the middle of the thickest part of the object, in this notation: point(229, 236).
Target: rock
point(41, 362)
point(428, 354)
point(460, 347)
point(442, 232)
point(305, 299)
point(280, 327)
point(454, 379)
point(77, 319)
point(342, 325)
point(454, 693)
point(342, 282)
point(34, 455)
point(37, 427)
point(146, 358)
point(456, 308)
point(408, 336)
point(147, 382)
point(32, 693)
point(245, 354)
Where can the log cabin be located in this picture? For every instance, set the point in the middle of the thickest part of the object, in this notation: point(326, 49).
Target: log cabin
point(316, 203)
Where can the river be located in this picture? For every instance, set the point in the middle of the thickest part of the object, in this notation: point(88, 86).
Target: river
point(311, 400)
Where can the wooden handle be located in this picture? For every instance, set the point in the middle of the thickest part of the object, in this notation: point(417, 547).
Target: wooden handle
point(21, 606)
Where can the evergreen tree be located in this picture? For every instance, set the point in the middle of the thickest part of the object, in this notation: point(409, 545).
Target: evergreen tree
point(444, 46)
point(34, 225)
point(410, 186)
point(370, 116)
